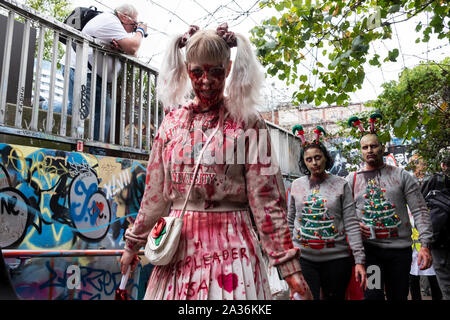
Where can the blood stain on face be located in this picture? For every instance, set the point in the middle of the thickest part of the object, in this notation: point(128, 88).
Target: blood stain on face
point(208, 82)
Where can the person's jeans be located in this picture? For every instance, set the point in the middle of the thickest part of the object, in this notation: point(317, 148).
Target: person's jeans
point(98, 100)
point(441, 265)
point(332, 276)
point(394, 265)
point(415, 289)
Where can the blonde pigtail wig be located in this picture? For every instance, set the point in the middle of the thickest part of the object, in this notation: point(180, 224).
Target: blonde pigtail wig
point(246, 81)
point(173, 85)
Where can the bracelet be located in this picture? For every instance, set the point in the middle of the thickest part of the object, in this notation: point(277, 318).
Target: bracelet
point(141, 30)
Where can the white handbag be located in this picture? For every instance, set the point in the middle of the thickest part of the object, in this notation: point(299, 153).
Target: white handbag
point(162, 241)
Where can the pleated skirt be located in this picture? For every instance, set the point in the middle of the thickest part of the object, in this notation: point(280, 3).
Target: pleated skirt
point(218, 258)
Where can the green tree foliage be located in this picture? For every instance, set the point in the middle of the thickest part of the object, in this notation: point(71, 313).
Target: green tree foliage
point(342, 31)
point(414, 108)
point(58, 9)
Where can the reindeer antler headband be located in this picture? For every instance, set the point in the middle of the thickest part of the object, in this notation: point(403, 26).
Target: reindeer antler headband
point(298, 131)
point(356, 122)
point(222, 31)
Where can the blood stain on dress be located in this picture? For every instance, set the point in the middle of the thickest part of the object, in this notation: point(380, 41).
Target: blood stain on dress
point(228, 282)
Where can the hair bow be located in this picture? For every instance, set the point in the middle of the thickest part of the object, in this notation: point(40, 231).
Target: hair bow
point(192, 30)
point(228, 36)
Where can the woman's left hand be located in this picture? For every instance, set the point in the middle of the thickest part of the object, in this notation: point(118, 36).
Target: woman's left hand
point(424, 259)
point(361, 275)
point(297, 284)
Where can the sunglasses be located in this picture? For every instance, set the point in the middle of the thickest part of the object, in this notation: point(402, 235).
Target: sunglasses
point(211, 72)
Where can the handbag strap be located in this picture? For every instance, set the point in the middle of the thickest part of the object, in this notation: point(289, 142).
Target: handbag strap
point(197, 165)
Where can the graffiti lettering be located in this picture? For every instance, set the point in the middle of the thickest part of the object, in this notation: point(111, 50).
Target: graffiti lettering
point(21, 98)
point(8, 205)
point(13, 217)
point(89, 209)
point(76, 169)
point(117, 184)
point(84, 109)
point(94, 284)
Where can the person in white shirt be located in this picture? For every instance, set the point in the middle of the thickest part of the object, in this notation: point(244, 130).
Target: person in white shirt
point(121, 31)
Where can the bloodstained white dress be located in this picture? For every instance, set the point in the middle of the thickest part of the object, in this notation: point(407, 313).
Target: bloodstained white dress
point(219, 255)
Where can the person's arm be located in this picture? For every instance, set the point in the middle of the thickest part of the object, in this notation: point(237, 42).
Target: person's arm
point(418, 207)
point(419, 210)
point(291, 213)
point(153, 204)
point(130, 45)
point(267, 200)
point(353, 232)
point(364, 230)
point(266, 195)
point(351, 225)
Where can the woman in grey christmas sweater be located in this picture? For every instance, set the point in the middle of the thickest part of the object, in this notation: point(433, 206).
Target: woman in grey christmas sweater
point(323, 224)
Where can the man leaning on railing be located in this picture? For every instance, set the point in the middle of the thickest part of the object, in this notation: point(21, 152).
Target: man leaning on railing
point(114, 29)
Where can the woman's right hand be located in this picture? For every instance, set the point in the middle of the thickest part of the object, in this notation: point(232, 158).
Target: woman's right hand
point(126, 260)
point(297, 284)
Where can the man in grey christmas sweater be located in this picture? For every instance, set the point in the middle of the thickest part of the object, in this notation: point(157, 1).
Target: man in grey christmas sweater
point(382, 194)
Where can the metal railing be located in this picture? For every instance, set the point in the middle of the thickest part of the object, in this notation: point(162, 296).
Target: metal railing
point(8, 253)
point(134, 114)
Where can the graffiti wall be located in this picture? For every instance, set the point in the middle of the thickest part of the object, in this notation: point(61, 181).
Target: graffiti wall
point(66, 200)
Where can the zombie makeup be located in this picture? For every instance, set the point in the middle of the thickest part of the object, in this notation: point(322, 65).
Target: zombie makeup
point(208, 82)
point(372, 151)
point(315, 161)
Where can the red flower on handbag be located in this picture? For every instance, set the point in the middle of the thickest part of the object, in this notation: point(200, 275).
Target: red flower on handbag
point(158, 228)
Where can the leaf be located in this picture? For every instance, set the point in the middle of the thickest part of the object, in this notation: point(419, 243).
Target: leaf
point(426, 118)
point(374, 61)
point(419, 27)
point(279, 6)
point(297, 3)
point(412, 123)
point(392, 55)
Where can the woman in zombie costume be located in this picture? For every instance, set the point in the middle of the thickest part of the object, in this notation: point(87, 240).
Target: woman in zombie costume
point(219, 254)
point(322, 219)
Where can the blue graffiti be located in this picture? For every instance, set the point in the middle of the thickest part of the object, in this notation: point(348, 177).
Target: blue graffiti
point(86, 193)
point(95, 283)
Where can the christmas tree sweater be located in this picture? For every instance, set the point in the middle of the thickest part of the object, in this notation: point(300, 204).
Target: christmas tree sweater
point(323, 221)
point(382, 197)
